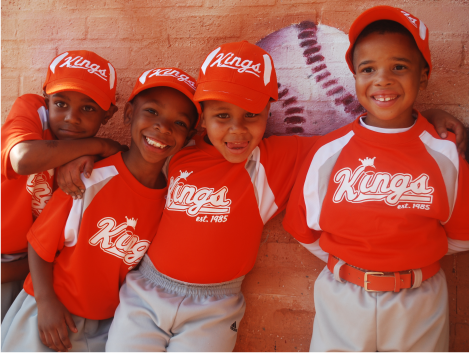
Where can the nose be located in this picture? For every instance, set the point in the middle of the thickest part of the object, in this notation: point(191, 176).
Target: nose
point(238, 125)
point(383, 78)
point(163, 125)
point(73, 117)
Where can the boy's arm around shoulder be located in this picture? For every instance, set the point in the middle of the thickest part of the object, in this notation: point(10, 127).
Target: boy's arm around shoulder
point(29, 157)
point(282, 159)
point(26, 151)
point(442, 122)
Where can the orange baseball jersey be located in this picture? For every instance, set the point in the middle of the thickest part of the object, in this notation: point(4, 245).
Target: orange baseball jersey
point(215, 210)
point(100, 237)
point(23, 196)
point(384, 202)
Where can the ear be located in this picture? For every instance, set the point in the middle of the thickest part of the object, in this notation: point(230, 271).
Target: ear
point(202, 121)
point(46, 98)
point(355, 77)
point(128, 113)
point(110, 112)
point(423, 78)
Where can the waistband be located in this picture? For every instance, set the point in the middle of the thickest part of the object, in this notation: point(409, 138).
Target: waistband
point(184, 288)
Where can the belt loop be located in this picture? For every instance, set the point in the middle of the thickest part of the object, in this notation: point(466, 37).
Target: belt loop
point(397, 282)
point(337, 270)
point(417, 278)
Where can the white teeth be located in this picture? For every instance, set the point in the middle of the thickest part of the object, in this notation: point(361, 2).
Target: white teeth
point(382, 99)
point(154, 143)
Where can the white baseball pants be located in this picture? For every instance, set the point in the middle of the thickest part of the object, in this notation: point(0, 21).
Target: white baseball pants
point(158, 313)
point(348, 318)
point(20, 332)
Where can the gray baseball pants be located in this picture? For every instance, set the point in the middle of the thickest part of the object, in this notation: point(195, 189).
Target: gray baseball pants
point(158, 313)
point(20, 332)
point(348, 318)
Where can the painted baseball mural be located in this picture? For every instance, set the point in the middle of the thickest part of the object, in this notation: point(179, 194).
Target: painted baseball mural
point(316, 88)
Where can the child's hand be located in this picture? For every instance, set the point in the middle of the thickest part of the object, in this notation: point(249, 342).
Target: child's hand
point(53, 319)
point(443, 121)
point(111, 147)
point(68, 175)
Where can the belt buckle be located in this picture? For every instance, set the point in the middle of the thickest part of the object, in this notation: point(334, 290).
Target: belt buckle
point(366, 280)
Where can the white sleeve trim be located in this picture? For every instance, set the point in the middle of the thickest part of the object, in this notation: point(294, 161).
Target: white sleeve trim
point(316, 250)
point(455, 246)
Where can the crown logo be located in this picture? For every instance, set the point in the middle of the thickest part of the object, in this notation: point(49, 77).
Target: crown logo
point(184, 175)
point(131, 222)
point(368, 162)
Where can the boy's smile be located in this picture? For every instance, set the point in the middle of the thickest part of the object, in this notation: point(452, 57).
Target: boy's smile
point(74, 115)
point(233, 131)
point(390, 71)
point(162, 120)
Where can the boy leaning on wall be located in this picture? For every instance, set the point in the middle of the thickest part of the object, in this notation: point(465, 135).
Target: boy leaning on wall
point(223, 188)
point(390, 197)
point(43, 133)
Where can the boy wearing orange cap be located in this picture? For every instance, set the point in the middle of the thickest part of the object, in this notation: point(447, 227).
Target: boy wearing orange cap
point(402, 194)
point(186, 295)
point(42, 133)
point(69, 299)
point(223, 189)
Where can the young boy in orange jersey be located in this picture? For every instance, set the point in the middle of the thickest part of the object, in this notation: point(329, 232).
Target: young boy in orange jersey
point(42, 133)
point(402, 194)
point(223, 189)
point(69, 299)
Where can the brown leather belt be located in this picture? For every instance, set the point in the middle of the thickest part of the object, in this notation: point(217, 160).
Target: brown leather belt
point(374, 281)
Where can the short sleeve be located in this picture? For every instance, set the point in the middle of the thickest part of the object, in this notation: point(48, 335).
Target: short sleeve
point(46, 235)
point(458, 225)
point(295, 221)
point(282, 162)
point(23, 123)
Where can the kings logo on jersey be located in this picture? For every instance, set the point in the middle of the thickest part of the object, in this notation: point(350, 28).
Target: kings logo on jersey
point(363, 185)
point(192, 200)
point(39, 185)
point(121, 240)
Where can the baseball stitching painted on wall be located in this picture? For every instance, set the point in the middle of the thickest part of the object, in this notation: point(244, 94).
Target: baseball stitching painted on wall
point(316, 87)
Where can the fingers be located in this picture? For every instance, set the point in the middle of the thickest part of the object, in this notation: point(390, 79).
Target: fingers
point(56, 339)
point(70, 323)
point(88, 168)
point(440, 127)
point(64, 339)
point(461, 139)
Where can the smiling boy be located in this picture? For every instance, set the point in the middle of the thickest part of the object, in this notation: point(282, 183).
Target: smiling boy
point(402, 194)
point(81, 250)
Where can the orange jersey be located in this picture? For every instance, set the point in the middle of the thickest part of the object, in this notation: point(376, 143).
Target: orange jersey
point(100, 237)
point(384, 202)
point(23, 196)
point(215, 210)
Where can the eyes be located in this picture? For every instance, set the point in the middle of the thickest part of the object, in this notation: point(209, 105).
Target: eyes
point(177, 122)
point(371, 69)
point(85, 108)
point(227, 116)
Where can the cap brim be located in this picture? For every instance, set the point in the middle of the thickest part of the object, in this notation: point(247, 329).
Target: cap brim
point(174, 85)
point(374, 14)
point(63, 85)
point(244, 97)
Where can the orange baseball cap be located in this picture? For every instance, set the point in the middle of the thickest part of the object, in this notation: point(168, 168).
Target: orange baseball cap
point(168, 77)
point(239, 73)
point(415, 26)
point(85, 72)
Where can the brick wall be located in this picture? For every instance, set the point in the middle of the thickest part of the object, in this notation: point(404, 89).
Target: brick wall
point(141, 34)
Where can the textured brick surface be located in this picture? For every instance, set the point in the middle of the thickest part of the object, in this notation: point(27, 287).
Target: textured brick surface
point(141, 34)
